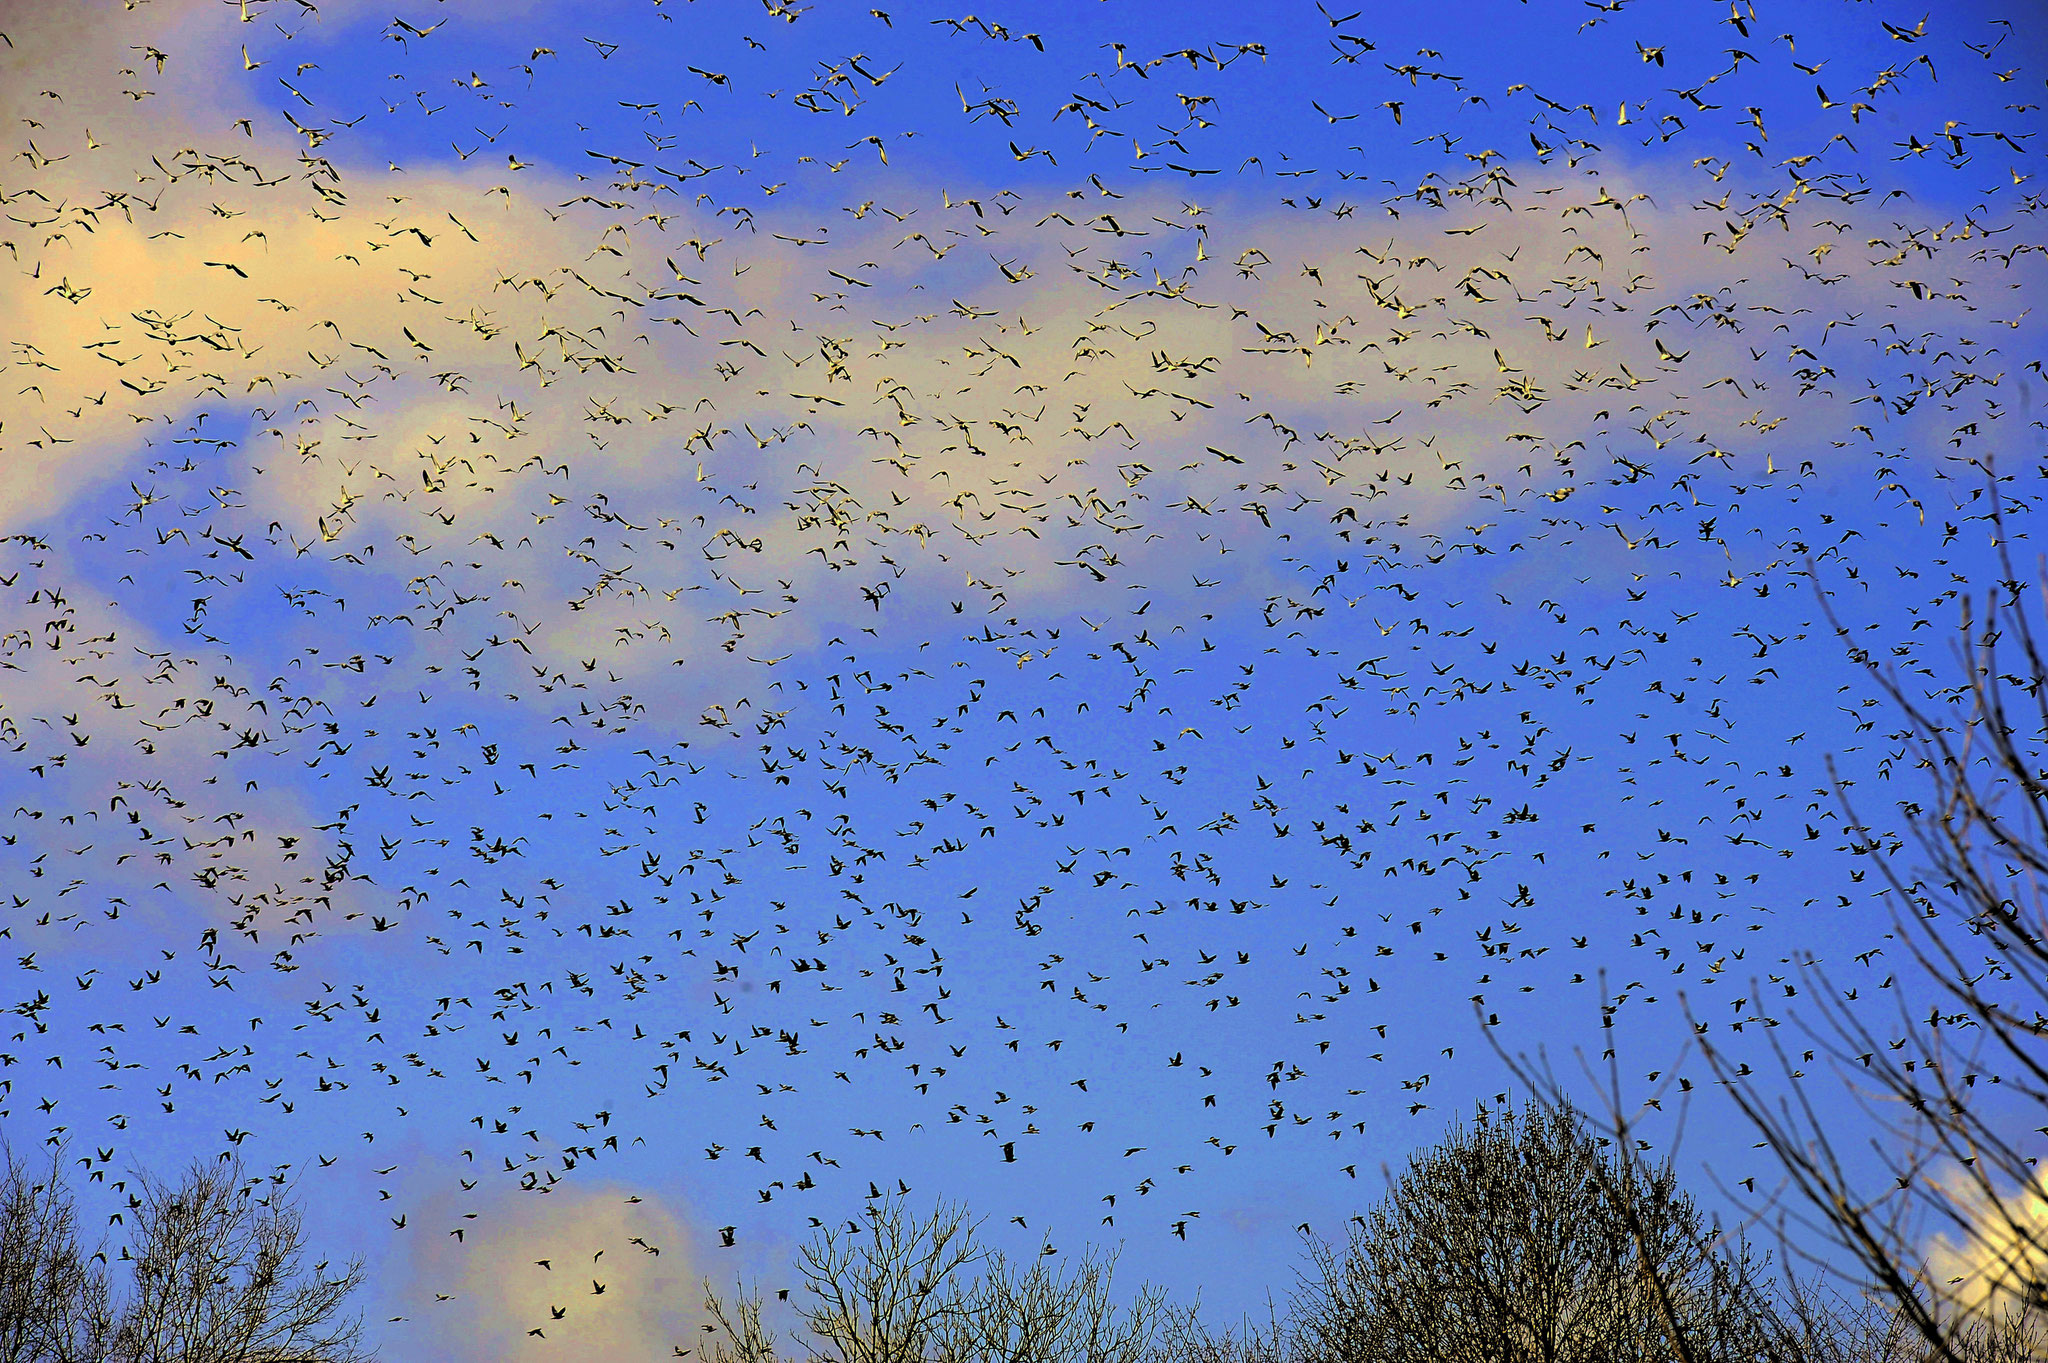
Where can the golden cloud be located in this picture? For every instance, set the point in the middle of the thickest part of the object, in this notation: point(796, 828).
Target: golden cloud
point(580, 1273)
point(1999, 1261)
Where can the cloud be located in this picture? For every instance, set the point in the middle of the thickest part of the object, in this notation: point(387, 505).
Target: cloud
point(522, 1282)
point(122, 728)
point(2001, 1260)
point(592, 438)
point(577, 434)
point(681, 443)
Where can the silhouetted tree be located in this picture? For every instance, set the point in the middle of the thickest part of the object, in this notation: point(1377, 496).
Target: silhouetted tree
point(901, 1288)
point(1184, 1337)
point(53, 1294)
point(1953, 1233)
point(1943, 1252)
point(215, 1275)
point(1520, 1238)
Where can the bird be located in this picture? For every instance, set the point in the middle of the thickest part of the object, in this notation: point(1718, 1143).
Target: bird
point(554, 649)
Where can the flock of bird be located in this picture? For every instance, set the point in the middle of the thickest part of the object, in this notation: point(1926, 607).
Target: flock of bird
point(580, 606)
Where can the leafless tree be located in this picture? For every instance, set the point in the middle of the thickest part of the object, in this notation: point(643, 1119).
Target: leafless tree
point(889, 1292)
point(1942, 1253)
point(1041, 1314)
point(1521, 1238)
point(53, 1294)
point(885, 1292)
point(1184, 1337)
point(1829, 1328)
point(736, 1333)
point(1952, 1069)
point(903, 1288)
point(219, 1275)
point(215, 1274)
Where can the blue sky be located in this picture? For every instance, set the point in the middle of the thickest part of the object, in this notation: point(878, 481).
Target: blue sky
point(1135, 586)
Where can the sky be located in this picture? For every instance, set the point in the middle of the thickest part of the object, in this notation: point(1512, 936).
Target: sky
point(625, 622)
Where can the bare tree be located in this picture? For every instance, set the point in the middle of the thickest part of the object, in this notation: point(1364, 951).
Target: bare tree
point(886, 1292)
point(1815, 1322)
point(1944, 1251)
point(888, 1295)
point(215, 1274)
point(1522, 1238)
point(1046, 1315)
point(1183, 1337)
point(1953, 1234)
point(902, 1288)
point(735, 1329)
point(218, 1275)
point(53, 1295)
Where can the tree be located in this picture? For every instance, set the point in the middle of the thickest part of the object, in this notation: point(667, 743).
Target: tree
point(215, 1274)
point(1953, 1235)
point(889, 1295)
point(1521, 1238)
point(898, 1289)
point(53, 1296)
point(1185, 1338)
point(1824, 1326)
point(1043, 1315)
point(1944, 1251)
